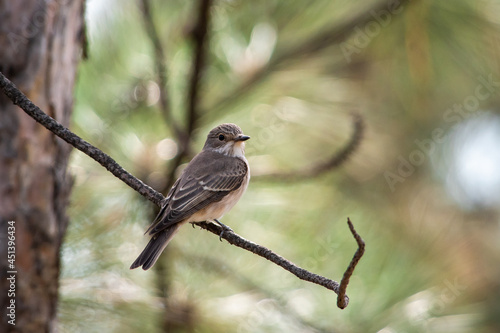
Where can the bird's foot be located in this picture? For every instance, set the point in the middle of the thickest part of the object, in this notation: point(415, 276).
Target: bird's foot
point(224, 228)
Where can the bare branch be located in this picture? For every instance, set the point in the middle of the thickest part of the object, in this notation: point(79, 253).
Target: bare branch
point(18, 98)
point(234, 239)
point(316, 170)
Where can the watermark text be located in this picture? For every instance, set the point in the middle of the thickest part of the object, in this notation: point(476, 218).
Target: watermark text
point(11, 272)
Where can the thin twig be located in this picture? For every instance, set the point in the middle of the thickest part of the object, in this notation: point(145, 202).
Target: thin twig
point(316, 170)
point(160, 67)
point(18, 98)
point(350, 269)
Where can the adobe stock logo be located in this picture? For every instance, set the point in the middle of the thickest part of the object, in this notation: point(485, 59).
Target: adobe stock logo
point(448, 295)
point(362, 37)
point(454, 116)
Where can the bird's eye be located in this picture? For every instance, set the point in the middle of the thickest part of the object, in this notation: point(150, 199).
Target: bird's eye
point(221, 137)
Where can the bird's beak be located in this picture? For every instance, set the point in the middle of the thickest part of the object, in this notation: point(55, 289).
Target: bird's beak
point(241, 138)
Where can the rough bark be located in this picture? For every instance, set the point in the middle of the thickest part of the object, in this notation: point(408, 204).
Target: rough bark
point(40, 46)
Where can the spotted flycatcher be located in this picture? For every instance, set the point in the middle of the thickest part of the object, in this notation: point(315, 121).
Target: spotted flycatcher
point(210, 185)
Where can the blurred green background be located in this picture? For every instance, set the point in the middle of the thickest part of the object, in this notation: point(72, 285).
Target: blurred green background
point(422, 189)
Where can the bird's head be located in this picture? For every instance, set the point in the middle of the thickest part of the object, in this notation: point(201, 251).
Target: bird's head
point(227, 139)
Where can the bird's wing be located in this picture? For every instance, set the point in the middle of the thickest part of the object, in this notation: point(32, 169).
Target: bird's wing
point(198, 187)
point(164, 205)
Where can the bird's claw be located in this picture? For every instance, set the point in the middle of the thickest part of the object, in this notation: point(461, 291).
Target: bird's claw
point(224, 228)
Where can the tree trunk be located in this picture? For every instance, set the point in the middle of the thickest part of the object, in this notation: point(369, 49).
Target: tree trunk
point(40, 47)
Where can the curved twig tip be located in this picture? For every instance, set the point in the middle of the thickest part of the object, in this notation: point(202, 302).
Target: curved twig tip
point(341, 300)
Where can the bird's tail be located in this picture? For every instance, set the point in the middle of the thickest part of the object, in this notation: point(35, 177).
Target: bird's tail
point(155, 247)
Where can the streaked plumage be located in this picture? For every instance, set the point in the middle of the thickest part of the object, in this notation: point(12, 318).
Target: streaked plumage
point(209, 186)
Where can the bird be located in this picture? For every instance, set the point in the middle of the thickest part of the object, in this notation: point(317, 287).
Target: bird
point(210, 185)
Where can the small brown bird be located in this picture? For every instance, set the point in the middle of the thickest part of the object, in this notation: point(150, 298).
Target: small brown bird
point(210, 185)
